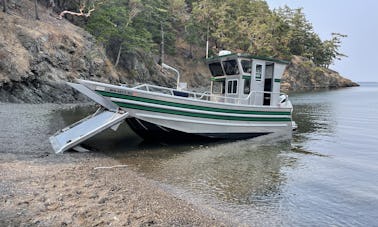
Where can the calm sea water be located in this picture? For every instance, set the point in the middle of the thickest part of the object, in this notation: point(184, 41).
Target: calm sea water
point(327, 175)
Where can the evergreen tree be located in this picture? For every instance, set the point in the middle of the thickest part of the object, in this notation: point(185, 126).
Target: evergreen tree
point(240, 26)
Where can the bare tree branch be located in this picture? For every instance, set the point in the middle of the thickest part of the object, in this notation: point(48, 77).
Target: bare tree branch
point(81, 12)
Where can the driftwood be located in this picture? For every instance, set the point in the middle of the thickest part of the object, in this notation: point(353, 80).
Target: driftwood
point(81, 12)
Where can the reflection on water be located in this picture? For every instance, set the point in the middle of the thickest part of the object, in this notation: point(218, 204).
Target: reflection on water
point(326, 175)
point(238, 172)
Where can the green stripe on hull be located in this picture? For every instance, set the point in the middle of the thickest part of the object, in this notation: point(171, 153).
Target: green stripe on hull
point(188, 106)
point(200, 115)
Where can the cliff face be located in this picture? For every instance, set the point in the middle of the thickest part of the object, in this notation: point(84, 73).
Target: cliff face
point(302, 74)
point(38, 56)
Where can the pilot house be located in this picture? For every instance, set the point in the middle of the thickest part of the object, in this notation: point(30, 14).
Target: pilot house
point(246, 79)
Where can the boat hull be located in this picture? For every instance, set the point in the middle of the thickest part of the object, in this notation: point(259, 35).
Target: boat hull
point(155, 115)
point(150, 131)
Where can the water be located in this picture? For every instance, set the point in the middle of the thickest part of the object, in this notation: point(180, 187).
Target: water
point(327, 175)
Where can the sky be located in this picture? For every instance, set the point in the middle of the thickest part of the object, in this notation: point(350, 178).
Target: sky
point(356, 18)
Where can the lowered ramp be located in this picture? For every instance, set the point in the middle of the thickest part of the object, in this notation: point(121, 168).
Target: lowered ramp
point(84, 129)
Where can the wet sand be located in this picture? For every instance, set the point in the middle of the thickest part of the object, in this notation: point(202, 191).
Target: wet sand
point(41, 188)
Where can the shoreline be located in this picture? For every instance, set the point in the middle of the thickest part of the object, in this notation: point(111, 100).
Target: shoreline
point(39, 187)
point(69, 190)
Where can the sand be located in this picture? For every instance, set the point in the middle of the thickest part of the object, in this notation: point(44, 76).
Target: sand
point(70, 189)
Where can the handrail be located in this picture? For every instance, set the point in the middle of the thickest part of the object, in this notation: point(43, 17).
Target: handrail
point(176, 71)
point(206, 95)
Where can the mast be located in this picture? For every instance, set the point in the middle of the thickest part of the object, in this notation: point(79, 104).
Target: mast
point(162, 43)
point(207, 41)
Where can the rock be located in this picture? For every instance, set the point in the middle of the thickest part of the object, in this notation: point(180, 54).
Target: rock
point(302, 74)
point(37, 57)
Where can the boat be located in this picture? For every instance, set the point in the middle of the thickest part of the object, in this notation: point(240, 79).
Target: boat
point(244, 101)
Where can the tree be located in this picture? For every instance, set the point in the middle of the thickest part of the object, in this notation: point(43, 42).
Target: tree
point(300, 33)
point(113, 25)
point(330, 50)
point(134, 9)
point(236, 25)
point(5, 8)
point(36, 9)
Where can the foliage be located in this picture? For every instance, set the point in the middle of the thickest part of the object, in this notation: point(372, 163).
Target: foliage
point(250, 26)
point(132, 24)
point(243, 26)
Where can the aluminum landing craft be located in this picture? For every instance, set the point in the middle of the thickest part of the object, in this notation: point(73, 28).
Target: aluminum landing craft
point(244, 102)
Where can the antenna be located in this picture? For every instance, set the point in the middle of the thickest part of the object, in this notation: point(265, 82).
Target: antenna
point(162, 43)
point(207, 41)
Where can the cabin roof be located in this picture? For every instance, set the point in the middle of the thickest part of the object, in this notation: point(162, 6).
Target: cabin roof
point(236, 55)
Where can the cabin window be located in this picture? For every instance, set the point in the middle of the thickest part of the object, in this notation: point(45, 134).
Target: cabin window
point(247, 86)
point(232, 86)
point(231, 67)
point(216, 69)
point(247, 66)
point(218, 87)
point(258, 72)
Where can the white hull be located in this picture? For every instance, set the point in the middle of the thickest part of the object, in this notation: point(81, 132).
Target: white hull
point(244, 102)
point(197, 117)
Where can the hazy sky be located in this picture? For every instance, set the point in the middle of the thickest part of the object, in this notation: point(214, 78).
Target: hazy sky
point(357, 19)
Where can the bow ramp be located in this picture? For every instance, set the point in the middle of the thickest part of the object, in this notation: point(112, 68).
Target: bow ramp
point(108, 116)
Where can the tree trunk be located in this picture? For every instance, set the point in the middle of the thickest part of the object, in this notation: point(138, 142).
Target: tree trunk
point(118, 55)
point(36, 10)
point(5, 9)
point(190, 51)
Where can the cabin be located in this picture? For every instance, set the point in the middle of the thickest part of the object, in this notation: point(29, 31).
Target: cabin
point(245, 79)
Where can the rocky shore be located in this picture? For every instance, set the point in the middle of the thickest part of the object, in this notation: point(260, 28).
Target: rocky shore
point(302, 74)
point(40, 188)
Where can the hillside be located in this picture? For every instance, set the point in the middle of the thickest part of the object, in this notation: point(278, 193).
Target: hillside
point(38, 56)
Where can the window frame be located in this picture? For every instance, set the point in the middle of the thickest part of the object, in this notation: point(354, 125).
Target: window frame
point(232, 86)
point(222, 86)
point(215, 72)
point(247, 81)
point(249, 64)
point(258, 73)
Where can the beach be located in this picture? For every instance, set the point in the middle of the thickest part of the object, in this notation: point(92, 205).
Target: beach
point(41, 188)
point(59, 190)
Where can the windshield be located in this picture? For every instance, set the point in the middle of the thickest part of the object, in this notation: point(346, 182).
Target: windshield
point(216, 69)
point(231, 67)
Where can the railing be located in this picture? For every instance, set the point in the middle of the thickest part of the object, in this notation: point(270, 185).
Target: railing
point(251, 99)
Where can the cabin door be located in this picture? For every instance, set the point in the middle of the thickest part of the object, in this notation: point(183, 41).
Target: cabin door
point(258, 78)
point(268, 84)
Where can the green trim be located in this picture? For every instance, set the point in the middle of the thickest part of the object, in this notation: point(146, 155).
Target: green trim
point(236, 55)
point(188, 106)
point(217, 79)
point(246, 77)
point(277, 80)
point(200, 115)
